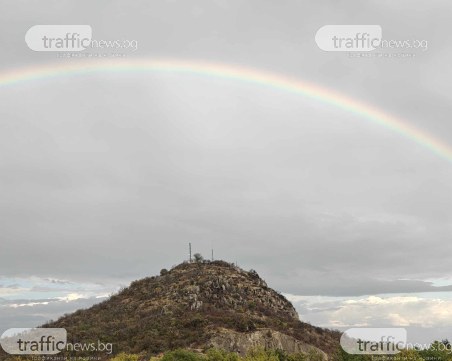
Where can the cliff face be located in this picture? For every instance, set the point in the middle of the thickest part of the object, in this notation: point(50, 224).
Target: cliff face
point(197, 305)
point(266, 338)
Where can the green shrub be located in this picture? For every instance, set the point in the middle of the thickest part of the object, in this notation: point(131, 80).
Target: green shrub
point(297, 357)
point(314, 355)
point(182, 355)
point(125, 357)
point(259, 354)
point(215, 354)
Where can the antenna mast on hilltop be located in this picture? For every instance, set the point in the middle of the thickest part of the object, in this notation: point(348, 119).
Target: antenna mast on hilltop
point(212, 254)
point(189, 250)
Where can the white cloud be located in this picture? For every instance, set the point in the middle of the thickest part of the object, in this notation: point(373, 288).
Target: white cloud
point(28, 304)
point(8, 291)
point(420, 310)
point(71, 297)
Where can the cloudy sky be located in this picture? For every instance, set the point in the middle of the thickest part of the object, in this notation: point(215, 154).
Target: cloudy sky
point(106, 177)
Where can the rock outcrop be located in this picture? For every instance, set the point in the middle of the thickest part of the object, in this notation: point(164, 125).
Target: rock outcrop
point(265, 338)
point(197, 305)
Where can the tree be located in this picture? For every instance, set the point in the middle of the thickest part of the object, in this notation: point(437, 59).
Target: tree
point(198, 257)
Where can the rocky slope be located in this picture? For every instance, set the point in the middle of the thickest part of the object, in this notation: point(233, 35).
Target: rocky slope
point(197, 305)
point(241, 342)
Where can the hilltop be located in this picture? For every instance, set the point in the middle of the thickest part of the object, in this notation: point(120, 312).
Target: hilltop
point(198, 305)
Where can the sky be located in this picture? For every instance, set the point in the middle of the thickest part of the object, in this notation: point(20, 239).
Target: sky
point(105, 177)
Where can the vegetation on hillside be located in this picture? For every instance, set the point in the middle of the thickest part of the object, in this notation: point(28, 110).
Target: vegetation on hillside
point(438, 351)
point(184, 306)
point(434, 353)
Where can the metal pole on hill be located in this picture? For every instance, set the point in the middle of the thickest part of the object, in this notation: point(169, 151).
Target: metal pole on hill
point(189, 250)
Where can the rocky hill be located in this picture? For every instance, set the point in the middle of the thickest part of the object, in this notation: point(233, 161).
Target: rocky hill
point(198, 305)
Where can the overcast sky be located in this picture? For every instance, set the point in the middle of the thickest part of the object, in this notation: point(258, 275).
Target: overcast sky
point(105, 178)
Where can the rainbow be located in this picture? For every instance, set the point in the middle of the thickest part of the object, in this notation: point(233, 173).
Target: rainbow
point(238, 73)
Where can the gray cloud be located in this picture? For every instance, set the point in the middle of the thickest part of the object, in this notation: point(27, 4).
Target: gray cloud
point(106, 177)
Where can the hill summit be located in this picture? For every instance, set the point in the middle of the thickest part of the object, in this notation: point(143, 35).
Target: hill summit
point(198, 305)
